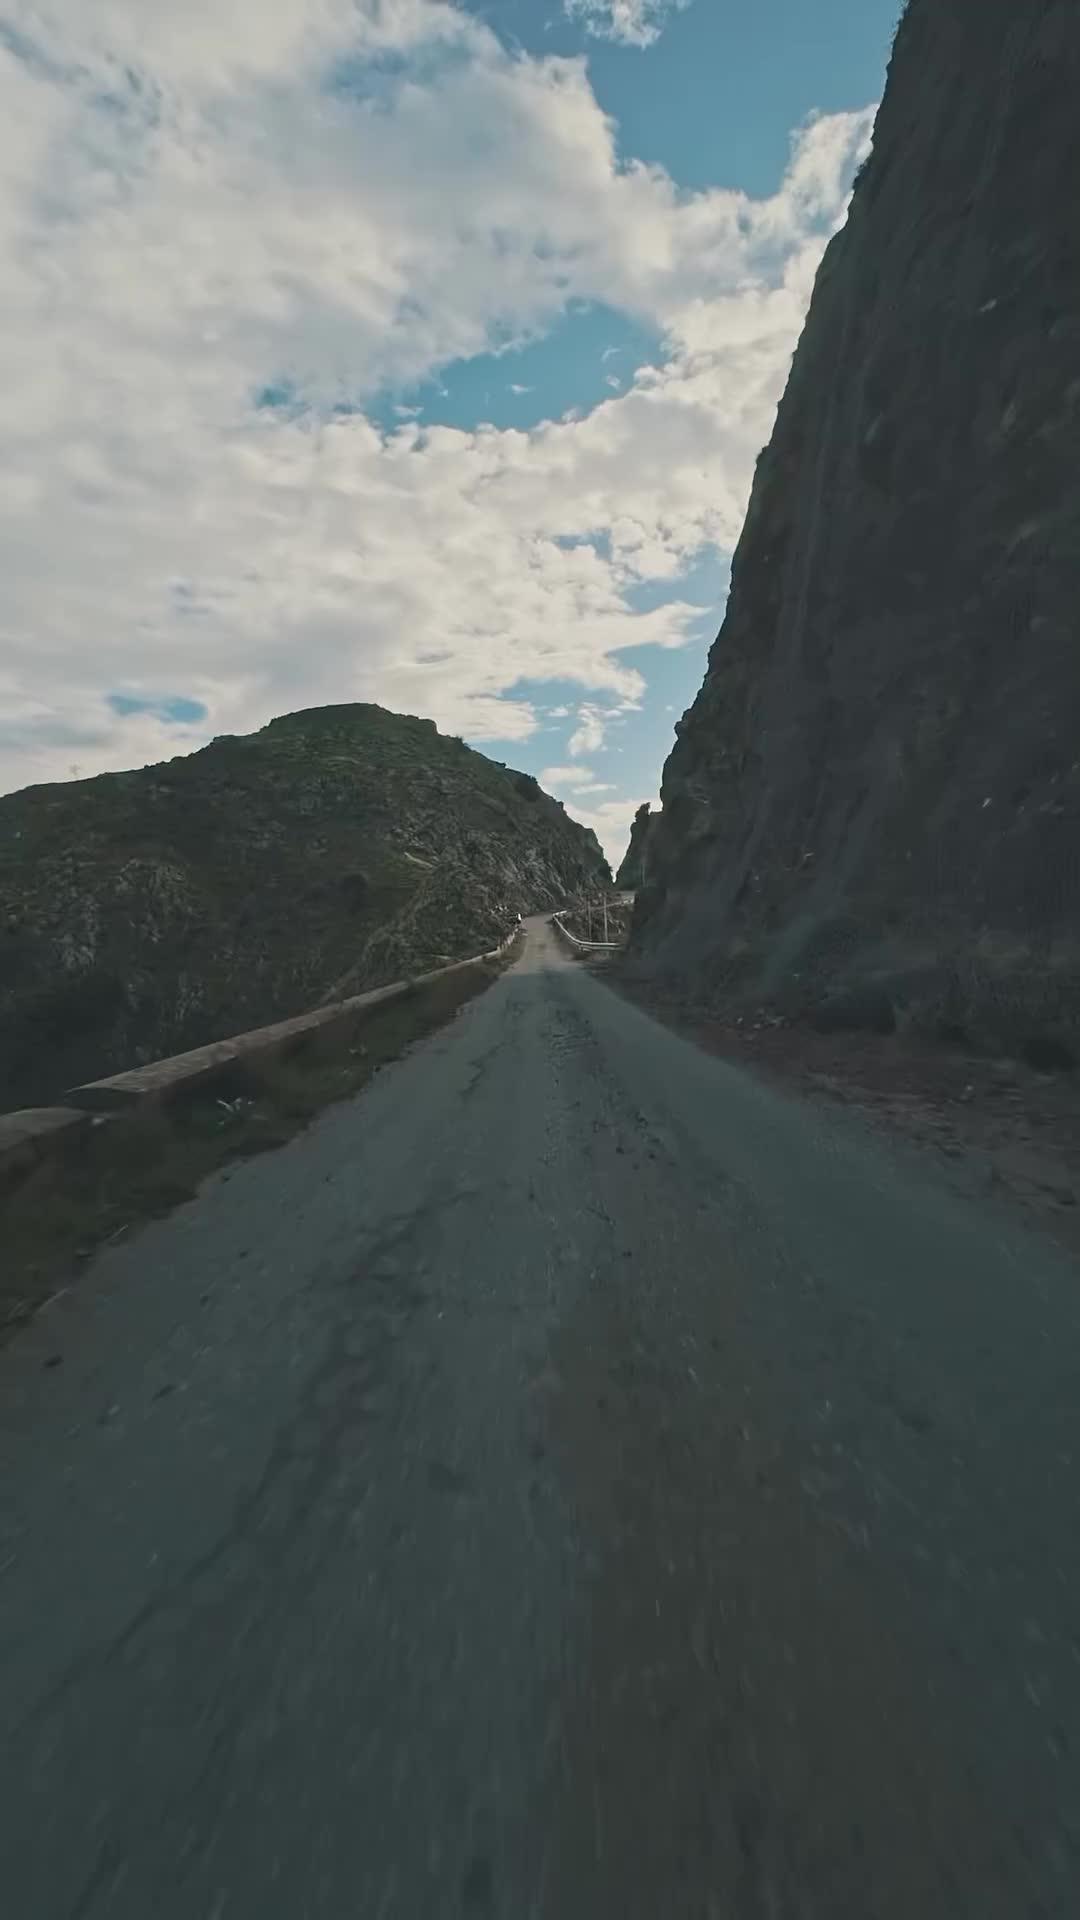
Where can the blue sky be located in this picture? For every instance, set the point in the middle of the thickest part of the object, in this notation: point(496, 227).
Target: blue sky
point(404, 351)
point(725, 81)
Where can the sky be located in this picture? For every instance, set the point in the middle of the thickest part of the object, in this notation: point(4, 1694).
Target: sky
point(399, 350)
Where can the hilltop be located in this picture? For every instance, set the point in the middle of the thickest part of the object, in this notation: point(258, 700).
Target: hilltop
point(143, 913)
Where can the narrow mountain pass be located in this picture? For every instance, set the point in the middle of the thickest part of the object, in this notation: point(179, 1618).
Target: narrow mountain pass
point(571, 1480)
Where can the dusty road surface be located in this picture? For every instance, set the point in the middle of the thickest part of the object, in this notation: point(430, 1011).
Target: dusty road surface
point(571, 1482)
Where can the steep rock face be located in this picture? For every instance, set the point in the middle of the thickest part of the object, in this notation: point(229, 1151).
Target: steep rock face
point(144, 913)
point(634, 869)
point(872, 807)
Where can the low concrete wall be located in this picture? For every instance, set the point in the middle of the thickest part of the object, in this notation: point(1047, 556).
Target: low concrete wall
point(160, 1079)
point(35, 1133)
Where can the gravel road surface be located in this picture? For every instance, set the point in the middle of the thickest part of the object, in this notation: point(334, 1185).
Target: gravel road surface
point(569, 1482)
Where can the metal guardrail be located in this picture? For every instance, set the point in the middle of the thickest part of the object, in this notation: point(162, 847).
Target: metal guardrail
point(588, 946)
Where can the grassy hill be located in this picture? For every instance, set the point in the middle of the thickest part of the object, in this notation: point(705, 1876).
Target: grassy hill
point(143, 913)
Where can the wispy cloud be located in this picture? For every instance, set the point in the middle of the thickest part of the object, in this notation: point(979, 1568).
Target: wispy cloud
point(636, 23)
point(588, 736)
point(554, 777)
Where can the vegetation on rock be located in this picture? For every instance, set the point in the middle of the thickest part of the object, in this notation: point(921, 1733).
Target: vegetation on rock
point(337, 849)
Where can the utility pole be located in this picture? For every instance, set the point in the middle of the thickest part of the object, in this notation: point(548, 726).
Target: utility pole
point(588, 909)
point(605, 917)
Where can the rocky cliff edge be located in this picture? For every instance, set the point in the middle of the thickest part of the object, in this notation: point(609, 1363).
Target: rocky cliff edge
point(872, 809)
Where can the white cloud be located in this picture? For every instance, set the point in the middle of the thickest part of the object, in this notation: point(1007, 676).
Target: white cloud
point(202, 204)
point(555, 777)
point(636, 23)
point(213, 43)
point(588, 736)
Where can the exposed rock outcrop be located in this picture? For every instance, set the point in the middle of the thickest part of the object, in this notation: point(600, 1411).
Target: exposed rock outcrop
point(872, 808)
point(144, 913)
point(634, 869)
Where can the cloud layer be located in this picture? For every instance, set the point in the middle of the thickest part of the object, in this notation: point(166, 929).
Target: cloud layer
point(226, 229)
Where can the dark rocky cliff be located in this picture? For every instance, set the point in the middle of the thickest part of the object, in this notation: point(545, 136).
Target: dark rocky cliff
point(872, 808)
point(145, 913)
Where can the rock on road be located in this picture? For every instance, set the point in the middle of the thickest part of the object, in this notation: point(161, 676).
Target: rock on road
point(572, 1481)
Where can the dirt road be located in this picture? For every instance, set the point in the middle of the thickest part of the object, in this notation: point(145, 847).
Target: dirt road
point(571, 1481)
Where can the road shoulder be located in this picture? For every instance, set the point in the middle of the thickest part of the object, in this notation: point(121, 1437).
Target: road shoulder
point(996, 1122)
